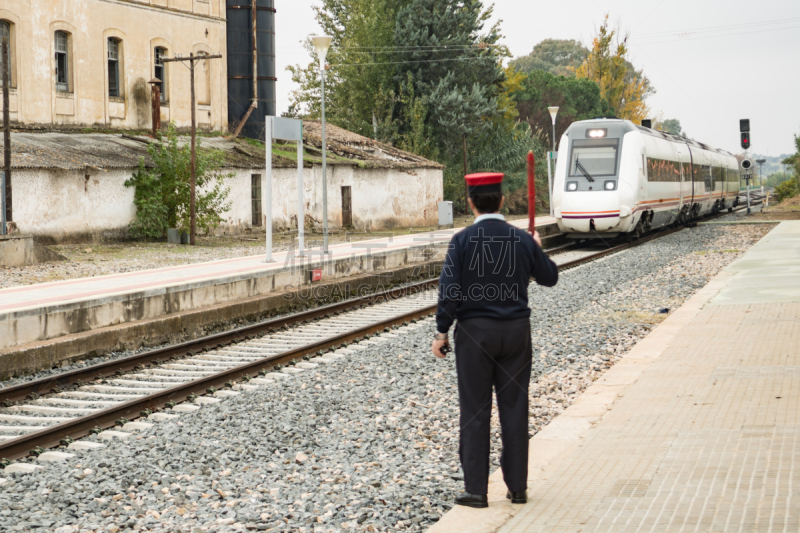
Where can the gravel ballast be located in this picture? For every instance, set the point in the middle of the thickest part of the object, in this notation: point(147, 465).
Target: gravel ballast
point(369, 442)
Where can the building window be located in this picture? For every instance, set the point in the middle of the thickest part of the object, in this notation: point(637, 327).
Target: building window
point(161, 71)
point(62, 61)
point(255, 195)
point(5, 35)
point(113, 68)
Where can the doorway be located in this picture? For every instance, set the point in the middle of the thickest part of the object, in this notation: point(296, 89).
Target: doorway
point(347, 207)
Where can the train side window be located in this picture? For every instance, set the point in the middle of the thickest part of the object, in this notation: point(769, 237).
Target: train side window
point(661, 170)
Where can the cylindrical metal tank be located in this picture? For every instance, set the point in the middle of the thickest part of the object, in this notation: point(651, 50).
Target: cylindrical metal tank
point(240, 64)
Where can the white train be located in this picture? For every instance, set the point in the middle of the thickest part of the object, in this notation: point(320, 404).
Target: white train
point(614, 177)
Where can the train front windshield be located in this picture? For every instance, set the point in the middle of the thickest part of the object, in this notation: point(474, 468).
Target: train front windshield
point(594, 157)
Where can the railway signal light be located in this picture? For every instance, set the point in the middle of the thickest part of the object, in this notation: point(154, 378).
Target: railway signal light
point(744, 129)
point(746, 140)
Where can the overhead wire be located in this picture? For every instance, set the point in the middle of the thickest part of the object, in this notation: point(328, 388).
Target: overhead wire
point(352, 49)
point(736, 34)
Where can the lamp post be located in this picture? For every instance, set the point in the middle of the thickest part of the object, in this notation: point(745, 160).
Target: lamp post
point(322, 43)
point(760, 177)
point(553, 115)
point(551, 160)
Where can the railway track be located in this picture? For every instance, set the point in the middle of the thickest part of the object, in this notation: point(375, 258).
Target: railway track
point(159, 384)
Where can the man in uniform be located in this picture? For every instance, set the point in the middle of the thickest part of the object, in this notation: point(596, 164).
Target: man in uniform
point(484, 285)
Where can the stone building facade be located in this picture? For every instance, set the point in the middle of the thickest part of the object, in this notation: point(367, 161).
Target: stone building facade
point(87, 63)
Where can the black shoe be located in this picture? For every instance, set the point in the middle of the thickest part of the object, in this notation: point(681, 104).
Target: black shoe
point(478, 501)
point(517, 497)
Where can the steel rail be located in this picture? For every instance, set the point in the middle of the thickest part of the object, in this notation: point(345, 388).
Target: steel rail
point(189, 348)
point(82, 426)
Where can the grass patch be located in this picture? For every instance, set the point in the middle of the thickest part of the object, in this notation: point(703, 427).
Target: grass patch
point(706, 252)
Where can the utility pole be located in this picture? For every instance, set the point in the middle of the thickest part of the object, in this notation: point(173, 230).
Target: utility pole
point(6, 136)
point(193, 185)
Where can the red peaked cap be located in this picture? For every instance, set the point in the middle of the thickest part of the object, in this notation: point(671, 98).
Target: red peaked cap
point(485, 182)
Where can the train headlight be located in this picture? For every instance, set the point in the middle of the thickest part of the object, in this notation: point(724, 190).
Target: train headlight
point(572, 186)
point(610, 185)
point(596, 134)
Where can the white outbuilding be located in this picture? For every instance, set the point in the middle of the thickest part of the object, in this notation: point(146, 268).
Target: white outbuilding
point(71, 186)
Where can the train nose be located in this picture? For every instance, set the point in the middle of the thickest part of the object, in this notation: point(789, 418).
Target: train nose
point(595, 212)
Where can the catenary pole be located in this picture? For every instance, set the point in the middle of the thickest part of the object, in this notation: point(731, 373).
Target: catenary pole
point(6, 136)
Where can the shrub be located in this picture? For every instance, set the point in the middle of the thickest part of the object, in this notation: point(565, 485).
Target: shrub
point(787, 189)
point(162, 196)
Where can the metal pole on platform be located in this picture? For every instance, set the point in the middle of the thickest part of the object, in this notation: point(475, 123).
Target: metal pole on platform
point(552, 156)
point(268, 133)
point(550, 182)
point(3, 202)
point(748, 195)
point(301, 219)
point(322, 43)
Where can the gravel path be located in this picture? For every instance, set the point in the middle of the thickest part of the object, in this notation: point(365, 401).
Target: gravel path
point(367, 443)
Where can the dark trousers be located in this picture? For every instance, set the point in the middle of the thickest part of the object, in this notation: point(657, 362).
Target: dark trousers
point(493, 353)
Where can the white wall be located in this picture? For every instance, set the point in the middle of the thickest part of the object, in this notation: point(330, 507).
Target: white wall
point(63, 204)
point(381, 198)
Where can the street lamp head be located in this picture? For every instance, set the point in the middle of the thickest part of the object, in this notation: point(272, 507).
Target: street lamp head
point(761, 161)
point(322, 43)
point(553, 113)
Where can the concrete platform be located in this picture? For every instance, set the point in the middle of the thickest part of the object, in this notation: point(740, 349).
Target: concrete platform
point(696, 429)
point(35, 314)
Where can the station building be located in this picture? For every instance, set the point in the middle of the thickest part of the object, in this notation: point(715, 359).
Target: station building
point(70, 187)
point(82, 67)
point(87, 63)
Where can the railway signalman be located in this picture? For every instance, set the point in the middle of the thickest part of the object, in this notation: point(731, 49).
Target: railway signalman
point(484, 286)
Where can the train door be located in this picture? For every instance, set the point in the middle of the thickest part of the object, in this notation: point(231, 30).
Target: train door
point(687, 183)
point(347, 207)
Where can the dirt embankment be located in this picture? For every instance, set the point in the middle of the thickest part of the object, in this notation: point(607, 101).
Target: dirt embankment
point(789, 209)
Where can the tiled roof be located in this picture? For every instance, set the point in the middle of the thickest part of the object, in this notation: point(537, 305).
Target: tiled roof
point(78, 151)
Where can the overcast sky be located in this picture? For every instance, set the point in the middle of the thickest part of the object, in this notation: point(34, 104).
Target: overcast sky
point(712, 62)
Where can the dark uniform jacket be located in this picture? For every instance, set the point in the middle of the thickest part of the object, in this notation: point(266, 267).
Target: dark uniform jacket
point(487, 271)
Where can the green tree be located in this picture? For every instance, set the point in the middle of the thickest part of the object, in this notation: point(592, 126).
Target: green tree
point(775, 179)
point(791, 187)
point(577, 99)
point(793, 161)
point(162, 195)
point(557, 56)
point(671, 125)
point(456, 66)
point(426, 75)
point(621, 85)
point(360, 79)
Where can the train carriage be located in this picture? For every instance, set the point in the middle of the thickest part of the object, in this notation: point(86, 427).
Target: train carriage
point(614, 177)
